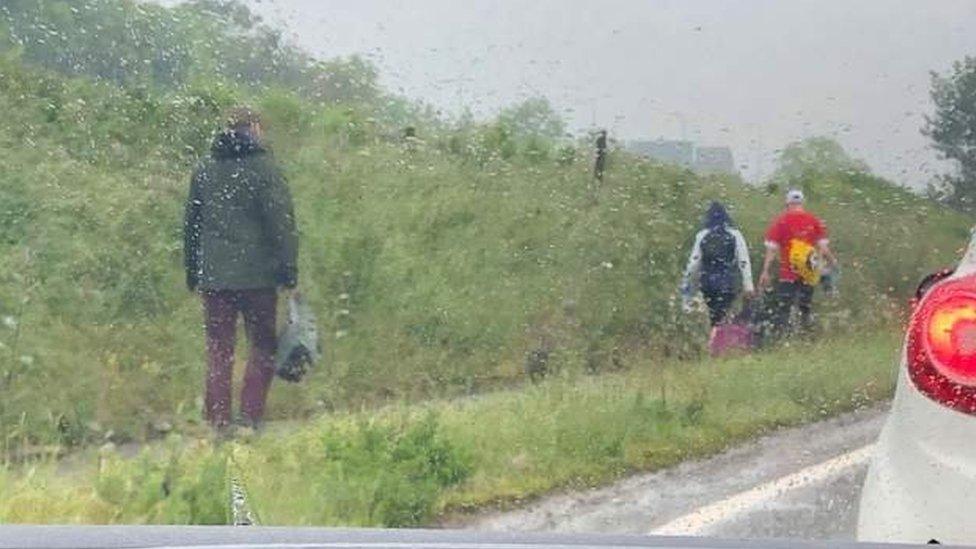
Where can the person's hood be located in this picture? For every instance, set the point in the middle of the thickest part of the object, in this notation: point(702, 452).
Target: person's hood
point(716, 216)
point(235, 144)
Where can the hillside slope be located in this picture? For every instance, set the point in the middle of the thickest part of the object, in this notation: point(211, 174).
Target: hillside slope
point(433, 272)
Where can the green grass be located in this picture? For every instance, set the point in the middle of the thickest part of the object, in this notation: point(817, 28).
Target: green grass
point(579, 432)
point(433, 272)
point(405, 465)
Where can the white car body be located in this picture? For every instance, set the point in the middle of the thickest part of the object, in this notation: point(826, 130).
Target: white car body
point(921, 484)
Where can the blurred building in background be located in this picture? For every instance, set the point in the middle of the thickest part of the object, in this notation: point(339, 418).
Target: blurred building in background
point(685, 154)
point(713, 160)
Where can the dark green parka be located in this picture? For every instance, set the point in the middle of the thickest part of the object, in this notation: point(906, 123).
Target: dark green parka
point(239, 231)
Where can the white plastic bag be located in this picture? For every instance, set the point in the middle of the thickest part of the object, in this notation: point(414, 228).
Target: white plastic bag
point(298, 342)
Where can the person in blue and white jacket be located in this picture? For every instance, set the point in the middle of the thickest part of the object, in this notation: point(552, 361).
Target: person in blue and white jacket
point(719, 264)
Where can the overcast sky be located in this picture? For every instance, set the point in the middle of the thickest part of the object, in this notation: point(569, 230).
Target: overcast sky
point(751, 74)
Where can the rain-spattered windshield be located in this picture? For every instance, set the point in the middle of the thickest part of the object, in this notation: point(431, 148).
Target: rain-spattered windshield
point(294, 262)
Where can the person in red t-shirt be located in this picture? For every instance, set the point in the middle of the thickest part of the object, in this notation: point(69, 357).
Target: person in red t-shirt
point(793, 227)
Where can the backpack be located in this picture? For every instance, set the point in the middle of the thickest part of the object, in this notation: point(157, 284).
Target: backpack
point(718, 259)
point(805, 261)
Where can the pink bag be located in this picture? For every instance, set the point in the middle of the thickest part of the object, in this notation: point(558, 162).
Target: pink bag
point(726, 338)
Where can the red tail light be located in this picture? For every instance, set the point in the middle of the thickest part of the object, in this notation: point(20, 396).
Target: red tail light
point(941, 348)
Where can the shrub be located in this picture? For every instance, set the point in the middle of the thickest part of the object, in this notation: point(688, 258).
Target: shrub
point(381, 475)
point(188, 486)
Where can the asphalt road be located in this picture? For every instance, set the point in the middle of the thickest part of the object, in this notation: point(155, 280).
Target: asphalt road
point(800, 483)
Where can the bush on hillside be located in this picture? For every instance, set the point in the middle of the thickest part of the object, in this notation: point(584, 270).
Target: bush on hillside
point(380, 476)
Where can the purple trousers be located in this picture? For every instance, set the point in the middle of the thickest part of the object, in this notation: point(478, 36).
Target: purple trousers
point(221, 308)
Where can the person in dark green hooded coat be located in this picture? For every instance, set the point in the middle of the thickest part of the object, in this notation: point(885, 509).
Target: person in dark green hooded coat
point(240, 248)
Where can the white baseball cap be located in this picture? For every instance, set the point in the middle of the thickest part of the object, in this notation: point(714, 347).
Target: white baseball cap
point(794, 196)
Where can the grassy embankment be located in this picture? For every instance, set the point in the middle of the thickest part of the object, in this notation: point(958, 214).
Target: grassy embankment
point(405, 464)
point(433, 272)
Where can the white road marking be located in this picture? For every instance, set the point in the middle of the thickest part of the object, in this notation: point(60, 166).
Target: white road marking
point(698, 521)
